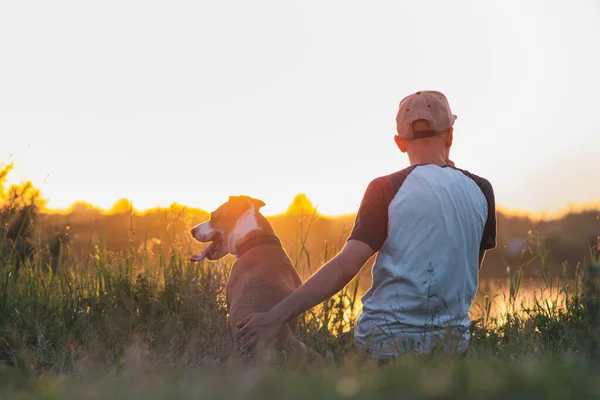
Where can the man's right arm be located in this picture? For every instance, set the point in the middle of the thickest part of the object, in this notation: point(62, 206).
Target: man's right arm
point(481, 257)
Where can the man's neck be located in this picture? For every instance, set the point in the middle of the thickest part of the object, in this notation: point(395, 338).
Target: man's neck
point(438, 160)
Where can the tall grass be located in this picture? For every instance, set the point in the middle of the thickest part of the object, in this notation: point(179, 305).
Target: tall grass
point(159, 315)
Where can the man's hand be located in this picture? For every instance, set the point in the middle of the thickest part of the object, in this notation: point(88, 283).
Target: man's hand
point(256, 327)
point(326, 282)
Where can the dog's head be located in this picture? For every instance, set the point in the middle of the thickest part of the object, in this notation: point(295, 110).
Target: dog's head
point(227, 225)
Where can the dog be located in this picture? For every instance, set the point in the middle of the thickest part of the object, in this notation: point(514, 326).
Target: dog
point(261, 276)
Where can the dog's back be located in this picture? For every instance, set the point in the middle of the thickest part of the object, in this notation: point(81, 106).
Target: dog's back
point(259, 280)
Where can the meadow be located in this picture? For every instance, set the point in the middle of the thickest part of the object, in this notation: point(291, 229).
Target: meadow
point(94, 323)
point(129, 327)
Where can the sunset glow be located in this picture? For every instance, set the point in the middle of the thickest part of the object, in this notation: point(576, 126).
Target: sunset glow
point(193, 102)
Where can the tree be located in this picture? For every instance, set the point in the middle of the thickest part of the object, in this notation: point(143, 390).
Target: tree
point(20, 207)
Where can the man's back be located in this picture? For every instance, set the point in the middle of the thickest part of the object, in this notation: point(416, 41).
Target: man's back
point(429, 224)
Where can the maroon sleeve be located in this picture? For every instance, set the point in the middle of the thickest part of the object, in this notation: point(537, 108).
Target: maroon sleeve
point(488, 240)
point(370, 225)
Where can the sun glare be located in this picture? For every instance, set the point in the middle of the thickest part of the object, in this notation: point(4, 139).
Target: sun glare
point(163, 116)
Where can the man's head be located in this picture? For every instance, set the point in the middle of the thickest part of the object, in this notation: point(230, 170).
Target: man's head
point(424, 124)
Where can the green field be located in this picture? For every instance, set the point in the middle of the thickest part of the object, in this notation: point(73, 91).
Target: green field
point(127, 327)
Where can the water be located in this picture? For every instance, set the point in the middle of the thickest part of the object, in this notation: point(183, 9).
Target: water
point(494, 301)
point(533, 293)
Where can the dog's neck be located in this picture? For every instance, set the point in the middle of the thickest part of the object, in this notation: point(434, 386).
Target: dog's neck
point(254, 240)
point(249, 225)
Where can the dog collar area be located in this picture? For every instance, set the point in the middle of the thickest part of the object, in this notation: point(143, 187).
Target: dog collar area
point(255, 241)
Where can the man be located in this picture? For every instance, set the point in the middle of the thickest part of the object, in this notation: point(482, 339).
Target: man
point(431, 224)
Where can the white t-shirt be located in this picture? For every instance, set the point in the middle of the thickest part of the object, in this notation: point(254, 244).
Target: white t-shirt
point(428, 224)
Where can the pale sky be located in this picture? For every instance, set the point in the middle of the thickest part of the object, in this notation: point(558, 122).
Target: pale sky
point(191, 102)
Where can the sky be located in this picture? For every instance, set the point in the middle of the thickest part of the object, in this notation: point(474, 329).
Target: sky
point(194, 101)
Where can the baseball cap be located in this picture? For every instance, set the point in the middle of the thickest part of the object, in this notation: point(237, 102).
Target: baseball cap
point(429, 105)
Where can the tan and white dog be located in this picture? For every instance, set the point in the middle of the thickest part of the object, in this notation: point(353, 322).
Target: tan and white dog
point(262, 275)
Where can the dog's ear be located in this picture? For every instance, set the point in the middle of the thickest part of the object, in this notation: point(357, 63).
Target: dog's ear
point(257, 204)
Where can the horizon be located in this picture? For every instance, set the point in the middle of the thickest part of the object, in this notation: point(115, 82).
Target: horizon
point(303, 202)
point(197, 101)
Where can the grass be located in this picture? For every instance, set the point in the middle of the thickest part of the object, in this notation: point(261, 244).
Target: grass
point(136, 326)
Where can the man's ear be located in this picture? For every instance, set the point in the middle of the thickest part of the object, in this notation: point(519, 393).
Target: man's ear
point(449, 137)
point(400, 143)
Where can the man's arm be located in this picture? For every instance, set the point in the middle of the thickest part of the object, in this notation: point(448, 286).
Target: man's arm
point(367, 237)
point(326, 282)
point(481, 257)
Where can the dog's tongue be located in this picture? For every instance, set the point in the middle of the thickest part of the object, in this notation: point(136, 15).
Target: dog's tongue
point(204, 254)
point(198, 257)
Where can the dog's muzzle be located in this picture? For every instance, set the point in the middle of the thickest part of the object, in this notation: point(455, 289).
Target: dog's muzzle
point(215, 240)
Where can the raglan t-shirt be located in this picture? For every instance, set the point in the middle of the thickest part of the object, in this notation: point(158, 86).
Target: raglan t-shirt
point(428, 224)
